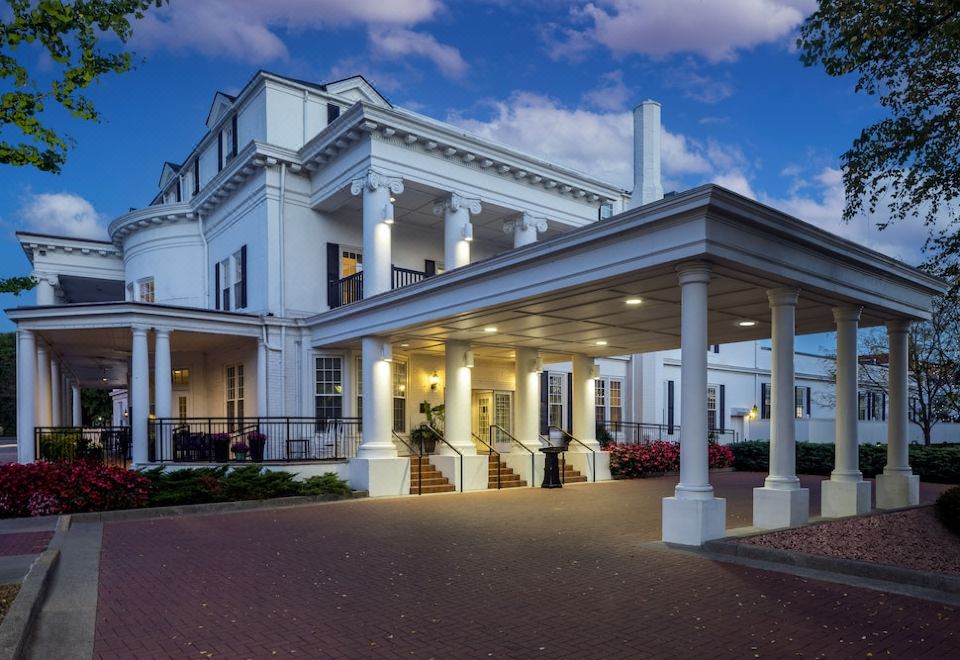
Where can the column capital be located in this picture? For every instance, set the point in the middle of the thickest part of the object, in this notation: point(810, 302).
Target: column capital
point(139, 330)
point(455, 202)
point(783, 296)
point(693, 272)
point(526, 221)
point(45, 276)
point(847, 313)
point(163, 332)
point(373, 180)
point(898, 326)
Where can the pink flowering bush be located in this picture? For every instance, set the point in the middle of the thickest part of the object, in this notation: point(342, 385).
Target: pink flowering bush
point(42, 488)
point(654, 458)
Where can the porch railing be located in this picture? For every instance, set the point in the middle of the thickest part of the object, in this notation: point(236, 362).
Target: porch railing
point(253, 439)
point(632, 433)
point(349, 289)
point(104, 444)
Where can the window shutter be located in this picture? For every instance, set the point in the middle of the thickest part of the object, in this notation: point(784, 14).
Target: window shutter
point(716, 348)
point(179, 192)
point(544, 402)
point(722, 411)
point(216, 285)
point(196, 176)
point(242, 302)
point(236, 139)
point(333, 274)
point(809, 397)
point(764, 410)
point(567, 401)
point(670, 418)
point(429, 267)
point(219, 151)
point(883, 406)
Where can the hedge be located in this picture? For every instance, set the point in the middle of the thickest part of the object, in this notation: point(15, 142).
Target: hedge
point(948, 509)
point(933, 463)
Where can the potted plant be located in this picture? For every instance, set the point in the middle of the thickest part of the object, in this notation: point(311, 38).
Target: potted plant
point(240, 449)
point(256, 440)
point(424, 438)
point(221, 447)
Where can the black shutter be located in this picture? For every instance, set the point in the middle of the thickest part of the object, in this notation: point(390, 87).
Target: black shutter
point(722, 412)
point(567, 400)
point(242, 299)
point(764, 409)
point(236, 139)
point(809, 397)
point(179, 194)
point(333, 274)
point(544, 403)
point(219, 151)
point(883, 406)
point(216, 285)
point(716, 348)
point(196, 176)
point(429, 267)
point(670, 407)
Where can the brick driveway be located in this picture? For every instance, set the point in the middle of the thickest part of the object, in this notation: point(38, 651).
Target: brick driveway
point(521, 573)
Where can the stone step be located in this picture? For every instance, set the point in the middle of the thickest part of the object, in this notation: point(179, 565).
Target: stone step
point(445, 488)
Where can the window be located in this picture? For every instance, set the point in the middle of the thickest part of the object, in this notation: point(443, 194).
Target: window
point(329, 390)
point(229, 140)
point(182, 407)
point(600, 401)
point(800, 401)
point(871, 406)
point(711, 407)
point(230, 281)
point(616, 402)
point(239, 279)
point(223, 285)
point(399, 396)
point(181, 377)
point(333, 111)
point(503, 411)
point(234, 394)
point(765, 397)
point(351, 262)
point(147, 290)
point(359, 381)
point(555, 399)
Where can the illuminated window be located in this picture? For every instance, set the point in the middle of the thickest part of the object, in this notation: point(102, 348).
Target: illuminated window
point(181, 377)
point(147, 290)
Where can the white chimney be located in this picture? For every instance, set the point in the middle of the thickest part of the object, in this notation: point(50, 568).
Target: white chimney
point(646, 154)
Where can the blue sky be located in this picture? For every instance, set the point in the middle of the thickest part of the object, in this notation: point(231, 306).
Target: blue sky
point(556, 79)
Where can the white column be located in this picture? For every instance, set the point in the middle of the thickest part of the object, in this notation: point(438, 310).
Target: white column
point(56, 392)
point(377, 400)
point(457, 399)
point(163, 392)
point(846, 493)
point(527, 398)
point(262, 378)
point(693, 515)
point(898, 486)
point(46, 288)
point(139, 394)
point(781, 502)
point(26, 395)
point(377, 218)
point(525, 228)
point(44, 415)
point(457, 230)
point(584, 400)
point(76, 411)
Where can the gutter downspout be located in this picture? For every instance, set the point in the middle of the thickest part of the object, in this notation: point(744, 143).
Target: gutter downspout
point(206, 261)
point(283, 296)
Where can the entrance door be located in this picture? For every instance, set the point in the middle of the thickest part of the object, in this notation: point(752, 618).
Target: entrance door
point(482, 414)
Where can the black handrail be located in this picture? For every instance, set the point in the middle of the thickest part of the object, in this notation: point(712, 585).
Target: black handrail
point(570, 436)
point(533, 457)
point(459, 453)
point(419, 454)
point(406, 276)
point(491, 451)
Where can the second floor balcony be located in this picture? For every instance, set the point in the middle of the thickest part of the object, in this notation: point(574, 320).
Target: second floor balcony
point(349, 289)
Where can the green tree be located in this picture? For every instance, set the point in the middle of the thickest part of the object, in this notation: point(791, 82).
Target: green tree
point(96, 407)
point(8, 383)
point(905, 53)
point(17, 285)
point(71, 33)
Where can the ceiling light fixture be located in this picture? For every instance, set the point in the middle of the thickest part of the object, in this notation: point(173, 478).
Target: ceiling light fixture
point(490, 329)
point(601, 342)
point(633, 301)
point(746, 323)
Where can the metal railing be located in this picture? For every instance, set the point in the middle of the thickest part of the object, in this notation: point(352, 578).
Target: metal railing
point(418, 452)
point(490, 452)
point(570, 438)
point(440, 437)
point(253, 439)
point(349, 289)
point(103, 444)
point(501, 432)
point(634, 433)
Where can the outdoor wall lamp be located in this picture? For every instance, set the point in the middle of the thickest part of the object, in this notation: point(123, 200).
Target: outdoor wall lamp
point(538, 364)
point(468, 359)
point(386, 353)
point(753, 412)
point(434, 381)
point(595, 371)
point(388, 214)
point(467, 231)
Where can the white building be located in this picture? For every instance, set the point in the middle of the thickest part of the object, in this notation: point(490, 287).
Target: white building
point(323, 263)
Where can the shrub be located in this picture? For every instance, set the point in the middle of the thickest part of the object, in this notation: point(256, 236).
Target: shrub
point(325, 484)
point(643, 460)
point(42, 488)
point(948, 509)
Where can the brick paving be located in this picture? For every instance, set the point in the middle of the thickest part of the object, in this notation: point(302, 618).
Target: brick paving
point(24, 543)
point(520, 573)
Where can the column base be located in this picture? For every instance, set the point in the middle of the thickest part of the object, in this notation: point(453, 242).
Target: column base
point(521, 464)
point(381, 477)
point(897, 490)
point(476, 470)
point(844, 498)
point(774, 508)
point(582, 462)
point(693, 522)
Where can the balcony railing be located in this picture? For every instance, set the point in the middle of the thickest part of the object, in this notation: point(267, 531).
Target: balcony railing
point(253, 439)
point(104, 444)
point(631, 433)
point(349, 289)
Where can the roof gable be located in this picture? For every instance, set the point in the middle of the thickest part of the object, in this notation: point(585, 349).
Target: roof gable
point(356, 88)
point(169, 171)
point(222, 102)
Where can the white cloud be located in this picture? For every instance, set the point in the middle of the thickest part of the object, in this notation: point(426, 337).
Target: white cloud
point(245, 29)
point(715, 30)
point(61, 214)
point(697, 86)
point(611, 94)
point(399, 42)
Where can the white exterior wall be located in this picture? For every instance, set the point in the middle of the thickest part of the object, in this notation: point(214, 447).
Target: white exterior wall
point(172, 254)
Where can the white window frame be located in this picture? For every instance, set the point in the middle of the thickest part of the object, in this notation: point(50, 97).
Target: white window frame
point(234, 391)
point(557, 403)
point(335, 389)
point(146, 290)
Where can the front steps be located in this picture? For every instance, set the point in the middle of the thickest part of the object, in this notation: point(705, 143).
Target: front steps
point(571, 476)
point(508, 478)
point(432, 479)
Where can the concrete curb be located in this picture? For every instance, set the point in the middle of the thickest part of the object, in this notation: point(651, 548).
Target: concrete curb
point(18, 625)
point(946, 584)
point(211, 508)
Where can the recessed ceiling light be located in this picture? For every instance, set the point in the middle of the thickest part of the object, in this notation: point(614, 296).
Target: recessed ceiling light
point(746, 323)
point(633, 301)
point(490, 328)
point(601, 342)
point(404, 345)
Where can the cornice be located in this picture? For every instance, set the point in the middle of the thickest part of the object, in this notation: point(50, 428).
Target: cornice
point(67, 245)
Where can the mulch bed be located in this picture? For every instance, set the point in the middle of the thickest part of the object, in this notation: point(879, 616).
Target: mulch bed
point(910, 539)
point(7, 593)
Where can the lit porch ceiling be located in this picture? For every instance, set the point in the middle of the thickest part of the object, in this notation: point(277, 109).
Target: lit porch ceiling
point(569, 295)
